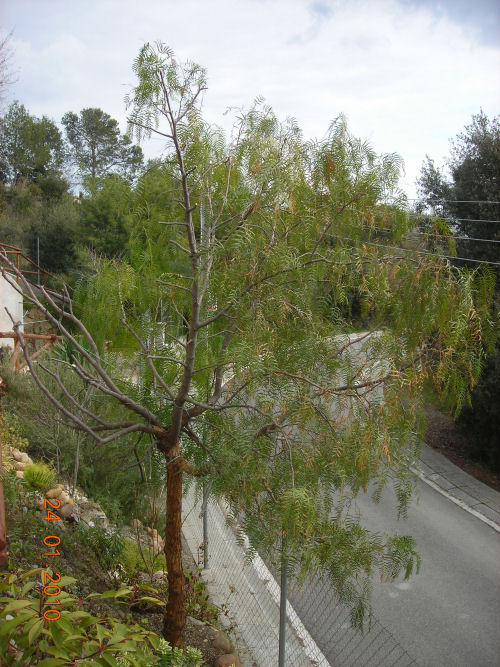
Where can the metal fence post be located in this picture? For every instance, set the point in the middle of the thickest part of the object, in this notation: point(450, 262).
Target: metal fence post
point(205, 525)
point(283, 601)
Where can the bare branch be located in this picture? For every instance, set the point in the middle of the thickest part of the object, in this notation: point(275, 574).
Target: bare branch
point(178, 245)
point(163, 282)
point(151, 365)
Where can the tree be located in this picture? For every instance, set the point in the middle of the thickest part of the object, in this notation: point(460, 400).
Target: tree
point(224, 340)
point(31, 148)
point(470, 200)
point(98, 147)
point(105, 215)
point(6, 78)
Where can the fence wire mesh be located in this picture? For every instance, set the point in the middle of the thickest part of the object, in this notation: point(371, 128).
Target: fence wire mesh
point(318, 630)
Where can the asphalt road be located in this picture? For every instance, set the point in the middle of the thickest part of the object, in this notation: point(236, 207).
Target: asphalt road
point(447, 616)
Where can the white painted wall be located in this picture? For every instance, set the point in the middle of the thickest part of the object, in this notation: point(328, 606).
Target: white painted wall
point(11, 299)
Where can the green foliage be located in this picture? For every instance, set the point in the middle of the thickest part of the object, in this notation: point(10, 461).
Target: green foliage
point(36, 219)
point(40, 476)
point(27, 639)
point(104, 216)
point(98, 147)
point(139, 558)
point(10, 434)
point(30, 148)
point(107, 545)
point(474, 167)
point(176, 657)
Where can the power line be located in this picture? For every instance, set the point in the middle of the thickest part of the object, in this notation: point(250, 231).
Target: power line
point(469, 201)
point(468, 220)
point(440, 236)
point(419, 252)
point(457, 201)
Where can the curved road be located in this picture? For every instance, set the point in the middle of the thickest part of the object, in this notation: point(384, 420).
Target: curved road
point(447, 616)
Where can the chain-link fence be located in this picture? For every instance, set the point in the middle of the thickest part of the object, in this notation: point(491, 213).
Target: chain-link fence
point(317, 629)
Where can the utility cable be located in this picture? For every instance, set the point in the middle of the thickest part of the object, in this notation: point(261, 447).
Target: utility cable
point(419, 252)
point(431, 235)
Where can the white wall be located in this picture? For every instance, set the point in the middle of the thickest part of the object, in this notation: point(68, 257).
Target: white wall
point(11, 299)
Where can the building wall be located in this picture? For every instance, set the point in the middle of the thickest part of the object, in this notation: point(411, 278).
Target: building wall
point(11, 299)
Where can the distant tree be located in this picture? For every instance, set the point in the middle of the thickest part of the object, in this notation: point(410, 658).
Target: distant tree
point(105, 216)
point(52, 234)
point(98, 148)
point(470, 198)
point(31, 148)
point(6, 77)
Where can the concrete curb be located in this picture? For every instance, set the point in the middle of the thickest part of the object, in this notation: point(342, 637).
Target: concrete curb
point(465, 506)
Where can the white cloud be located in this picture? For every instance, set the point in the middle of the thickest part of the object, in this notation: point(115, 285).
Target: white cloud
point(407, 79)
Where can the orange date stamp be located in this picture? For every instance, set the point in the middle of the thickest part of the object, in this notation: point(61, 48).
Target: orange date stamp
point(51, 580)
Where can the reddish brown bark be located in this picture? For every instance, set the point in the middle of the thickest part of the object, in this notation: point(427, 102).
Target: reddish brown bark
point(175, 611)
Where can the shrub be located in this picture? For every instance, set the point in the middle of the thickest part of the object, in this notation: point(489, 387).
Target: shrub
point(40, 476)
point(26, 639)
point(176, 657)
point(107, 545)
point(140, 558)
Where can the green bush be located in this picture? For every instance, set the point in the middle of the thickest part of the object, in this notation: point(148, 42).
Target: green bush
point(176, 657)
point(107, 545)
point(40, 476)
point(141, 559)
point(77, 637)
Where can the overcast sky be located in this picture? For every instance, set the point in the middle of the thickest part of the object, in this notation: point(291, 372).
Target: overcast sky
point(408, 74)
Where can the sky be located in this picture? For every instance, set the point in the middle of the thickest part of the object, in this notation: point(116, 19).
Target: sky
point(408, 74)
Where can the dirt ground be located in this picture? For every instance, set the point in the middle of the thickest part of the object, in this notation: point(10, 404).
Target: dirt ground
point(443, 435)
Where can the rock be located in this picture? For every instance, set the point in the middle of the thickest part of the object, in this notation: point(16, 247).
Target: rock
point(20, 474)
point(91, 514)
point(55, 492)
point(135, 523)
point(66, 510)
point(227, 660)
point(221, 642)
point(149, 530)
point(24, 458)
point(196, 621)
point(19, 465)
point(63, 497)
point(159, 578)
point(17, 455)
point(155, 533)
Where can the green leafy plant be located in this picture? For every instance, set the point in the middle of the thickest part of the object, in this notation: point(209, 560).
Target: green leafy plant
point(10, 432)
point(197, 599)
point(137, 558)
point(40, 476)
point(107, 545)
point(76, 638)
point(176, 657)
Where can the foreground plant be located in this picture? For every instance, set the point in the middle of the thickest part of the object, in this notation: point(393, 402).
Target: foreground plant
point(76, 638)
point(227, 334)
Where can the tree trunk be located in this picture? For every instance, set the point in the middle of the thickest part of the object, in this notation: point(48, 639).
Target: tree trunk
point(175, 611)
